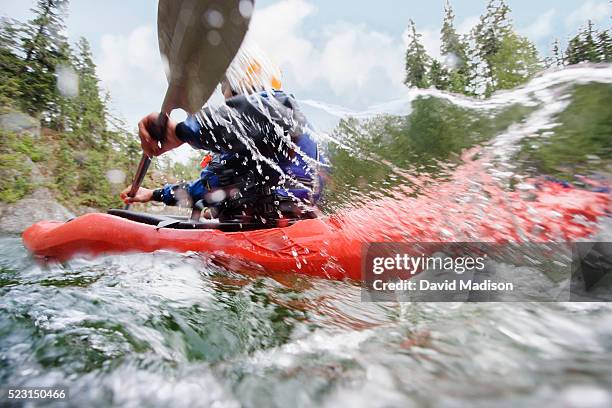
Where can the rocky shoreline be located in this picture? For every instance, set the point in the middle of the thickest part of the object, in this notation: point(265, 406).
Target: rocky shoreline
point(38, 206)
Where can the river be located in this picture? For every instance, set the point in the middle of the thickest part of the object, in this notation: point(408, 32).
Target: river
point(167, 329)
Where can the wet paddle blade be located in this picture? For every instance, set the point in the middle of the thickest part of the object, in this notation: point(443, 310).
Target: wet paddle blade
point(198, 40)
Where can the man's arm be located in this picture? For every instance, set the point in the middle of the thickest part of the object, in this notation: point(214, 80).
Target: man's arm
point(170, 194)
point(255, 123)
point(152, 147)
point(180, 193)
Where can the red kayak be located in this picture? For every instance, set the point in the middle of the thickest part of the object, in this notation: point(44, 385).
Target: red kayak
point(303, 247)
point(451, 211)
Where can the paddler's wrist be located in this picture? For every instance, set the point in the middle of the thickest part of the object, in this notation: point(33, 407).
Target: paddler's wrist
point(158, 195)
point(188, 130)
point(182, 132)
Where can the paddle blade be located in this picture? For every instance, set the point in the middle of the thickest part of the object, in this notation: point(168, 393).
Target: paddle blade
point(198, 40)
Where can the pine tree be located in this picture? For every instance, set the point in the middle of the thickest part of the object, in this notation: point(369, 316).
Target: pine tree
point(488, 35)
point(454, 49)
point(44, 46)
point(92, 109)
point(417, 60)
point(515, 62)
point(589, 44)
point(575, 50)
point(604, 46)
point(502, 59)
point(439, 76)
point(558, 58)
point(84, 62)
point(586, 46)
point(10, 63)
point(494, 25)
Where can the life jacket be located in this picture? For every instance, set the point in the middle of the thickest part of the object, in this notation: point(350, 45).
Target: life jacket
point(240, 186)
point(240, 194)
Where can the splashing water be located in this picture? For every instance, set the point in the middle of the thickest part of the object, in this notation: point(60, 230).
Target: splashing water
point(177, 329)
point(67, 81)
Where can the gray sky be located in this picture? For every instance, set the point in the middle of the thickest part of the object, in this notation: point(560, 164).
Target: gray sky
point(342, 52)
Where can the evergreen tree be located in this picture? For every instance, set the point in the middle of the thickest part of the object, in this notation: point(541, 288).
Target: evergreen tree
point(44, 47)
point(417, 60)
point(589, 44)
point(575, 50)
point(515, 62)
point(604, 46)
point(35, 60)
point(454, 49)
point(502, 58)
point(557, 59)
point(91, 108)
point(488, 35)
point(439, 76)
point(10, 63)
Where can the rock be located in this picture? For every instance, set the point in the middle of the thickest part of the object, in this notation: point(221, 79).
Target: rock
point(83, 209)
point(41, 193)
point(19, 122)
point(39, 206)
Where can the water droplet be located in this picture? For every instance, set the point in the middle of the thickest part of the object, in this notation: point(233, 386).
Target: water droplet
point(215, 196)
point(213, 37)
point(115, 176)
point(214, 18)
point(246, 8)
point(67, 81)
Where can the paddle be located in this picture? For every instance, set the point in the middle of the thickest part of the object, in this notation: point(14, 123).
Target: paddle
point(197, 40)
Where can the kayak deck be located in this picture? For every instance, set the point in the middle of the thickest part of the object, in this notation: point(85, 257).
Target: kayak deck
point(302, 247)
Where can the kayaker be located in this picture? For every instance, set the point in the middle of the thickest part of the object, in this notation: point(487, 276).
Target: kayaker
point(265, 162)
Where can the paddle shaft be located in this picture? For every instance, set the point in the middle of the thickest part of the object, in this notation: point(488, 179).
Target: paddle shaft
point(194, 66)
point(157, 132)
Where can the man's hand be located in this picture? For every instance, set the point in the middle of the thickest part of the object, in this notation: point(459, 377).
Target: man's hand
point(143, 195)
point(152, 147)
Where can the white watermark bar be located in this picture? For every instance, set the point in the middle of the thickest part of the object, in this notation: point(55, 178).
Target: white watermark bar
point(486, 272)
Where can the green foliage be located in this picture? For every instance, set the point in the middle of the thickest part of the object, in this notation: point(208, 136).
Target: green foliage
point(10, 63)
point(77, 154)
point(14, 177)
point(558, 56)
point(503, 59)
point(28, 147)
point(583, 134)
point(181, 171)
point(499, 58)
point(435, 132)
point(417, 60)
point(491, 30)
point(44, 48)
point(439, 76)
point(589, 45)
point(80, 175)
point(451, 42)
point(15, 165)
point(454, 49)
point(88, 108)
point(515, 61)
point(604, 45)
point(65, 171)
